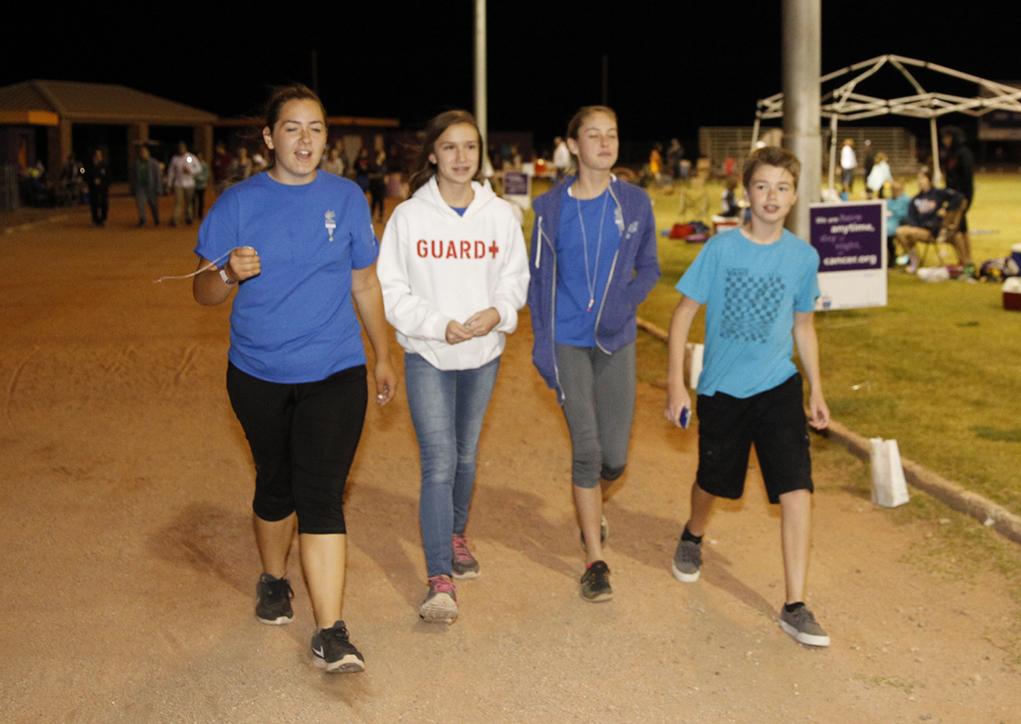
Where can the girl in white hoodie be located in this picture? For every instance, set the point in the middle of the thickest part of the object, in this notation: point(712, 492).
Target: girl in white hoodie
point(454, 273)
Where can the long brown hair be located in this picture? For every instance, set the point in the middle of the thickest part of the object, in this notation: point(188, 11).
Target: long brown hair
point(424, 169)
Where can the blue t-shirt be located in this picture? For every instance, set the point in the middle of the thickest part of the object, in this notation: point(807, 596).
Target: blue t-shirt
point(294, 322)
point(898, 209)
point(575, 317)
point(751, 292)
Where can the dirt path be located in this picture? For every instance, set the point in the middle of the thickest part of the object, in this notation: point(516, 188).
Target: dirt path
point(129, 565)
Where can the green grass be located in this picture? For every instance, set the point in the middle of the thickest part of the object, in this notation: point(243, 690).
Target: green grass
point(938, 369)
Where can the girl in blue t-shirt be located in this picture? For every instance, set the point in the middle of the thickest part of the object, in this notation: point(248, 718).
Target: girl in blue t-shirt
point(300, 251)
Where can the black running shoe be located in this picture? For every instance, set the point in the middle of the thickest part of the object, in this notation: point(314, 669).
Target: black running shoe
point(332, 651)
point(274, 600)
point(595, 584)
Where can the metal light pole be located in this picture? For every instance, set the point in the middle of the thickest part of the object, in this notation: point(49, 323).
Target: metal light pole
point(802, 68)
point(481, 89)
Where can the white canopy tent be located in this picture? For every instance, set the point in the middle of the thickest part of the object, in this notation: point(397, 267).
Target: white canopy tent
point(845, 103)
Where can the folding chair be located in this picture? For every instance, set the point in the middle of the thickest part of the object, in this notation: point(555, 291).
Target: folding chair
point(947, 235)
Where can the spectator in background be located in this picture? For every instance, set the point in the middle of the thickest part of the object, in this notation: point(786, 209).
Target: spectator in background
point(868, 162)
point(97, 175)
point(181, 178)
point(896, 213)
point(878, 176)
point(334, 164)
point(674, 154)
point(240, 167)
point(71, 179)
point(959, 164)
point(925, 217)
point(259, 162)
point(729, 206)
point(561, 157)
point(377, 178)
point(514, 160)
point(222, 162)
point(362, 164)
point(656, 163)
point(201, 182)
point(146, 184)
point(848, 163)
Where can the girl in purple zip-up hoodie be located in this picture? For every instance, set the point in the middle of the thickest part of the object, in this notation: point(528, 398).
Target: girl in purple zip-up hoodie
point(593, 261)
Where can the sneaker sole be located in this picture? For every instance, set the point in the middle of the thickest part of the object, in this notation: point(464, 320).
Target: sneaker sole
point(350, 664)
point(466, 574)
point(804, 638)
point(279, 621)
point(437, 612)
point(598, 598)
point(684, 577)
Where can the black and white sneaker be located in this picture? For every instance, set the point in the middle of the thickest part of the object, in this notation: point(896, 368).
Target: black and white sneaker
point(273, 604)
point(331, 650)
point(801, 624)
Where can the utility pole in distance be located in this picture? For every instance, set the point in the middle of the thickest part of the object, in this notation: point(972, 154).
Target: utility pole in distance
point(481, 90)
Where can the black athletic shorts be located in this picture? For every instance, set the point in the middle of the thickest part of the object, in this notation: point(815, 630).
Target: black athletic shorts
point(774, 420)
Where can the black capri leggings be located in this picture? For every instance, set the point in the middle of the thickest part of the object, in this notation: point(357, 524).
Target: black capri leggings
point(303, 438)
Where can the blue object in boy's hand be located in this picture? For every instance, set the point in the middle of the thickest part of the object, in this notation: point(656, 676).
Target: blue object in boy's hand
point(685, 417)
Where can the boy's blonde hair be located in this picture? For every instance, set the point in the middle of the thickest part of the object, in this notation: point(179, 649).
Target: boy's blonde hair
point(771, 156)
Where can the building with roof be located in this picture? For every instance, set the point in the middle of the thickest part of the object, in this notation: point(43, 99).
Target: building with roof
point(58, 106)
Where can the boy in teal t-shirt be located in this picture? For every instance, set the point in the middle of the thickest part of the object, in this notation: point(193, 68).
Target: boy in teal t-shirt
point(759, 286)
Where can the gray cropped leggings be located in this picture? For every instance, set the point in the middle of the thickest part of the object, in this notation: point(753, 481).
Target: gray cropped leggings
point(599, 405)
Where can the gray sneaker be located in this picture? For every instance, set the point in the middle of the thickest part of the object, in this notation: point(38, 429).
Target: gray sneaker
point(687, 561)
point(801, 624)
point(604, 533)
point(440, 604)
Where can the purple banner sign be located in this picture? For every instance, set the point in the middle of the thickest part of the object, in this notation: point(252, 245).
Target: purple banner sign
point(848, 237)
point(515, 183)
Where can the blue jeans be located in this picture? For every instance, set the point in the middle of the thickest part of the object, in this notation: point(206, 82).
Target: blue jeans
point(447, 408)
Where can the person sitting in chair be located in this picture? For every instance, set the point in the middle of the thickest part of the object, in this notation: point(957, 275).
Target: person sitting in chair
point(925, 217)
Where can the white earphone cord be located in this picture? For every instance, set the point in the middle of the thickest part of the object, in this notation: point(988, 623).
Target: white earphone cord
point(210, 265)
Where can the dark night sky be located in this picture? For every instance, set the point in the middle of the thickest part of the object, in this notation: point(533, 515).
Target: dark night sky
point(673, 66)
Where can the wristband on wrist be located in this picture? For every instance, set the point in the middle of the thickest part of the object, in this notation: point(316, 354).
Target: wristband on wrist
point(226, 279)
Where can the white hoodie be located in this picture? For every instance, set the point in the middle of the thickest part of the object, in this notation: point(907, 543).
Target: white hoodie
point(435, 266)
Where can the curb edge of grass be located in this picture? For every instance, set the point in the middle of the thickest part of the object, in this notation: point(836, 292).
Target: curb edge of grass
point(982, 509)
point(985, 511)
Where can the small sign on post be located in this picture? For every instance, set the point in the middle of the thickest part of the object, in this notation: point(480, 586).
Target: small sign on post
point(851, 241)
point(517, 187)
